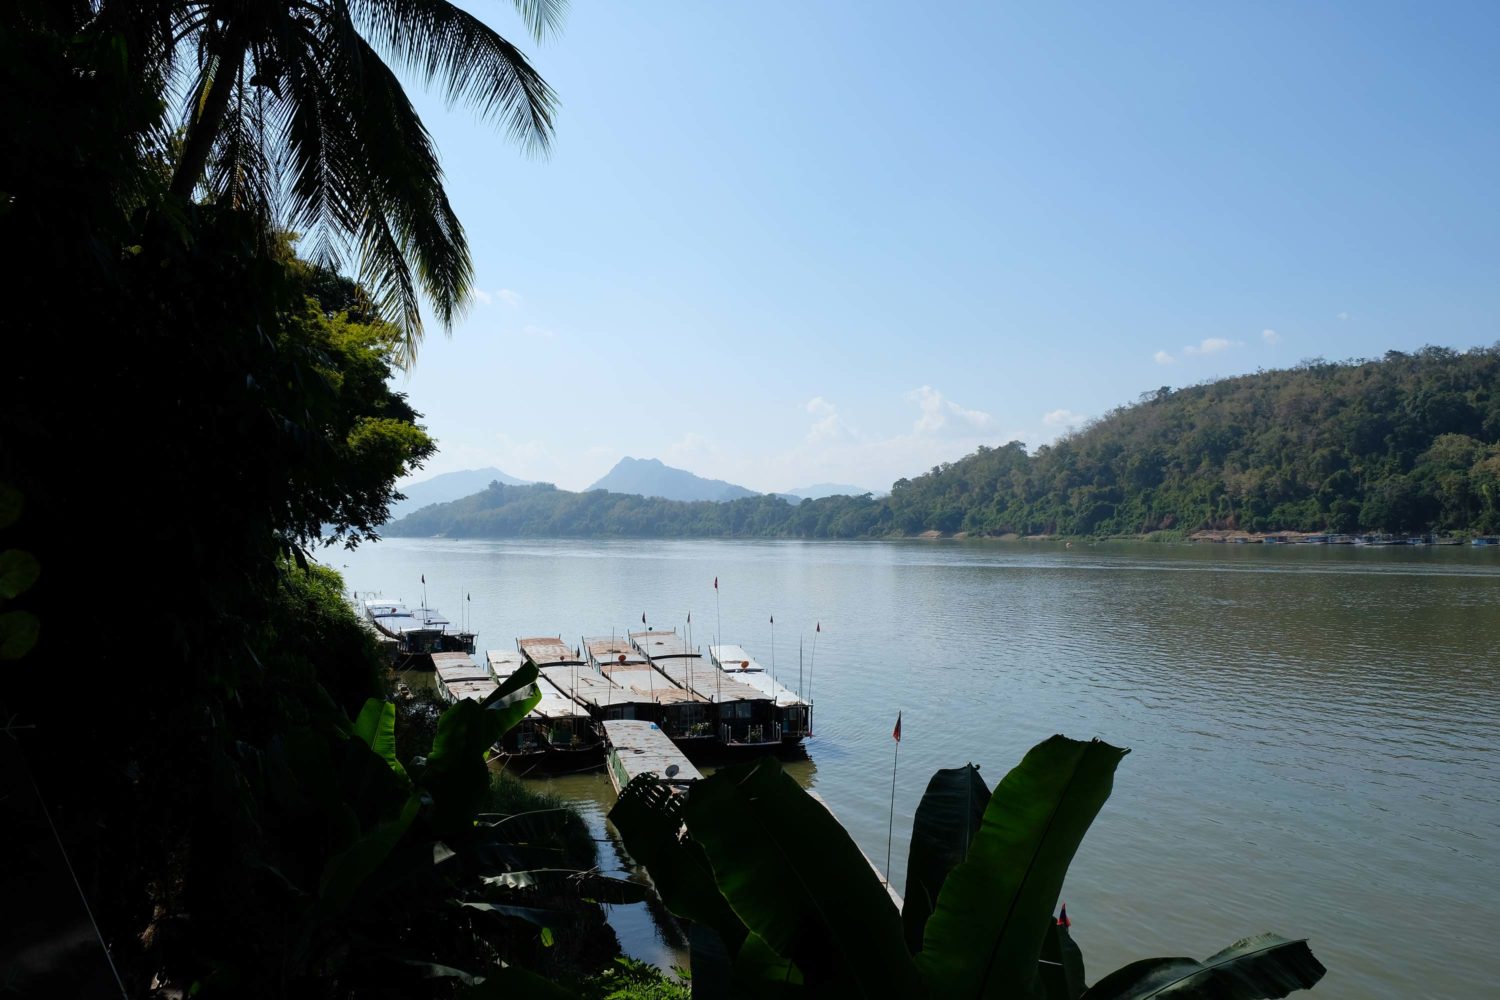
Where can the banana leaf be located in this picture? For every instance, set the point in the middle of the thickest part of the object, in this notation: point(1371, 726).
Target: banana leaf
point(947, 819)
point(376, 726)
point(456, 774)
point(759, 972)
point(346, 871)
point(649, 818)
point(1266, 965)
point(1061, 966)
point(794, 876)
point(985, 937)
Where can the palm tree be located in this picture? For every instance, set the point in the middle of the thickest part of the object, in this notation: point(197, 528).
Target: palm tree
point(292, 110)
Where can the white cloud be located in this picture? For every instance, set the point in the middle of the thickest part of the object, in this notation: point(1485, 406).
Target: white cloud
point(1270, 336)
point(1210, 345)
point(1062, 418)
point(830, 427)
point(940, 414)
point(481, 296)
point(510, 298)
point(695, 453)
point(1163, 358)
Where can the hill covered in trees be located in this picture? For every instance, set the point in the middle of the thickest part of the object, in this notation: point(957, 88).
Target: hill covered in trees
point(1410, 442)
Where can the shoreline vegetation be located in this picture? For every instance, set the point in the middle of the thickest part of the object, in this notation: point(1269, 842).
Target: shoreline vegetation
point(1408, 444)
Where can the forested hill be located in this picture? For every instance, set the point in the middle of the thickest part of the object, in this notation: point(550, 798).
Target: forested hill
point(1407, 443)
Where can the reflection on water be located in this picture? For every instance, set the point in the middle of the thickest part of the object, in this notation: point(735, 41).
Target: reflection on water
point(646, 930)
point(1316, 730)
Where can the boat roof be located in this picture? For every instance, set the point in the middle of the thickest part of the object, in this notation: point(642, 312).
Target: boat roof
point(503, 662)
point(431, 616)
point(611, 648)
point(381, 606)
point(646, 684)
point(710, 682)
point(459, 667)
point(661, 645)
point(642, 748)
point(586, 686)
point(555, 704)
point(546, 650)
point(734, 656)
point(728, 659)
point(477, 689)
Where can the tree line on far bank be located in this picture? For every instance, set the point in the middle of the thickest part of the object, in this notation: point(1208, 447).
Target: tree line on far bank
point(1405, 443)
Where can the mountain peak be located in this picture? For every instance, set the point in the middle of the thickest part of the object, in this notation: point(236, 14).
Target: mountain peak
point(651, 477)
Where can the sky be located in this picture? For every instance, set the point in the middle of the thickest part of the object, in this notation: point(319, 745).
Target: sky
point(789, 243)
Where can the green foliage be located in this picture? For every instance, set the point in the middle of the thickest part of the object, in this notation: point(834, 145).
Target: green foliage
point(1410, 443)
point(819, 921)
point(949, 815)
point(629, 979)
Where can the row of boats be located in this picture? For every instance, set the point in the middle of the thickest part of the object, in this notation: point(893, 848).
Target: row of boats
point(723, 703)
point(415, 631)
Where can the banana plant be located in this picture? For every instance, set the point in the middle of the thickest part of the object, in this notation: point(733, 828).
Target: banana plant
point(797, 909)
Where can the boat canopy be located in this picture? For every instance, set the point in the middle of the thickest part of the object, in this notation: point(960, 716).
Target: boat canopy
point(547, 650)
point(661, 645)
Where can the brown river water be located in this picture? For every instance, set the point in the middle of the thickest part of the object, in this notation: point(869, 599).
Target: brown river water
point(1315, 729)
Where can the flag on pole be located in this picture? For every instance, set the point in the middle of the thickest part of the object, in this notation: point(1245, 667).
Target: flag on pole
point(716, 583)
point(773, 619)
point(468, 597)
point(424, 578)
point(690, 618)
point(643, 617)
point(896, 733)
point(1062, 918)
point(819, 628)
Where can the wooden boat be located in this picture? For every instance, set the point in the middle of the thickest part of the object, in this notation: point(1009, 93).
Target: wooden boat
point(460, 677)
point(637, 748)
point(526, 743)
point(744, 718)
point(646, 695)
point(417, 630)
point(792, 714)
point(566, 729)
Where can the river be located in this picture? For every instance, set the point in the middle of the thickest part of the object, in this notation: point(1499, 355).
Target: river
point(1315, 730)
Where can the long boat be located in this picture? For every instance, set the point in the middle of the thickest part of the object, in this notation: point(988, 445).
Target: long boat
point(571, 736)
point(792, 712)
point(645, 695)
point(417, 630)
point(745, 719)
point(526, 742)
point(460, 677)
point(638, 747)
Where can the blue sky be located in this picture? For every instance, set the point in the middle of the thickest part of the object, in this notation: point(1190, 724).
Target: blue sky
point(787, 243)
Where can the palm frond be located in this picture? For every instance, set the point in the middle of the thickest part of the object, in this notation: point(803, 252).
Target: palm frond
point(470, 60)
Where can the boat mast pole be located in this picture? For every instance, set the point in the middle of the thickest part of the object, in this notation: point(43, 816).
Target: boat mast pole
point(891, 826)
point(719, 619)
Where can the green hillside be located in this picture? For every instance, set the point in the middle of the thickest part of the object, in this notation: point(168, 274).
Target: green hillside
point(1408, 443)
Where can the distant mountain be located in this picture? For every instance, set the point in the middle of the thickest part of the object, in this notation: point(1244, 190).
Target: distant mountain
point(449, 486)
point(648, 477)
point(818, 491)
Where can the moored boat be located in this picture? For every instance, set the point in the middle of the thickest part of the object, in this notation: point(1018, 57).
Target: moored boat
point(566, 728)
point(638, 747)
point(745, 719)
point(417, 630)
point(792, 713)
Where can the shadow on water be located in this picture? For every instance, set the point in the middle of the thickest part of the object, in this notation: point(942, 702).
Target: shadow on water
point(646, 930)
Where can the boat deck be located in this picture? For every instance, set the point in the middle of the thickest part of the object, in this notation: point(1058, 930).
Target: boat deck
point(736, 663)
point(661, 645)
point(475, 690)
point(503, 662)
point(707, 681)
point(452, 667)
point(547, 651)
point(585, 687)
point(637, 748)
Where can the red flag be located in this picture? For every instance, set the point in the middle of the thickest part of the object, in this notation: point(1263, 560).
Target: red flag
point(896, 733)
point(1062, 919)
